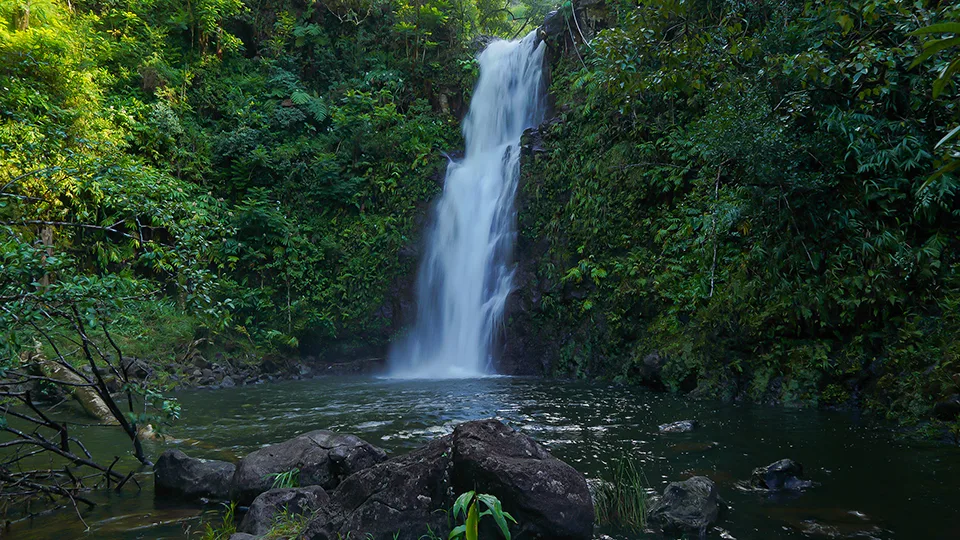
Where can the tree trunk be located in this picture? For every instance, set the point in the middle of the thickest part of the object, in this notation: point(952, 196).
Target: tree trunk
point(91, 402)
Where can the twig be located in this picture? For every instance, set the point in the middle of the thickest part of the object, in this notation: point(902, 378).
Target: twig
point(109, 228)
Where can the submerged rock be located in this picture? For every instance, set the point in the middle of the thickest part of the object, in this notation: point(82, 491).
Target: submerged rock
point(683, 426)
point(689, 506)
point(178, 474)
point(324, 458)
point(785, 474)
point(548, 498)
point(265, 508)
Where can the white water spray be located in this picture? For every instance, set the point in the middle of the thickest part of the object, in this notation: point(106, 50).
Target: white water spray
point(466, 276)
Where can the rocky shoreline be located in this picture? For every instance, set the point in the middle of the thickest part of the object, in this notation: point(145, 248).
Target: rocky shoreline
point(345, 487)
point(223, 373)
point(350, 488)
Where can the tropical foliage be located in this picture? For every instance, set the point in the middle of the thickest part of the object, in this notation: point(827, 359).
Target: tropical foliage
point(755, 192)
point(220, 174)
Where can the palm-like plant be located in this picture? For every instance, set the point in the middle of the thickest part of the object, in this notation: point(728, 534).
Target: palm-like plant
point(931, 48)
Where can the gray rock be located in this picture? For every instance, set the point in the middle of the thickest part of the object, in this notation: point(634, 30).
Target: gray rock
point(683, 426)
point(785, 474)
point(689, 506)
point(135, 367)
point(402, 496)
point(228, 382)
point(242, 536)
point(324, 459)
point(177, 474)
point(548, 498)
point(262, 513)
point(554, 27)
point(407, 494)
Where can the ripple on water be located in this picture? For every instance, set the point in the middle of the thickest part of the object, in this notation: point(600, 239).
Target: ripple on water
point(590, 427)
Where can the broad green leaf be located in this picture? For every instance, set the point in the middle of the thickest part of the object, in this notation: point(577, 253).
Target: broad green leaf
point(940, 28)
point(473, 522)
point(948, 136)
point(461, 503)
point(457, 532)
point(931, 48)
point(945, 77)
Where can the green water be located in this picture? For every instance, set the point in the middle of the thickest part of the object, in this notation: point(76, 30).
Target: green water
point(872, 485)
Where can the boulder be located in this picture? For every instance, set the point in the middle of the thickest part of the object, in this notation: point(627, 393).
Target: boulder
point(402, 496)
point(554, 27)
point(683, 426)
point(650, 370)
point(691, 506)
point(177, 474)
point(947, 409)
point(548, 498)
point(532, 142)
point(408, 495)
point(262, 513)
point(324, 459)
point(785, 474)
point(242, 536)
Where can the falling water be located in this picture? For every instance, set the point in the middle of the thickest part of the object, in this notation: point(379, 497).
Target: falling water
point(466, 276)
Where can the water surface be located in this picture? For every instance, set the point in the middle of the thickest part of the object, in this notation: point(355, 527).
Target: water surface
point(872, 483)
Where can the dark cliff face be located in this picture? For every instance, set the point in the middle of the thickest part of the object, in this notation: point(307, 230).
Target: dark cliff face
point(532, 340)
point(529, 347)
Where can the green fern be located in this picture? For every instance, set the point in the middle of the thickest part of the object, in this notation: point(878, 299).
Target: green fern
point(314, 104)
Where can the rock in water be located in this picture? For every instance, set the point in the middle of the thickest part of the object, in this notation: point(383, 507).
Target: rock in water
point(324, 459)
point(407, 494)
point(265, 508)
point(682, 426)
point(180, 475)
point(403, 496)
point(785, 474)
point(547, 497)
point(689, 506)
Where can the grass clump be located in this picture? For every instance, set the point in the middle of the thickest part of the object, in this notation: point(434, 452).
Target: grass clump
point(289, 479)
point(226, 528)
point(623, 501)
point(287, 525)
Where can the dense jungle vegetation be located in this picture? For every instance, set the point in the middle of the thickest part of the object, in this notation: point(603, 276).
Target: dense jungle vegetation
point(223, 170)
point(740, 199)
point(760, 196)
point(210, 177)
point(755, 190)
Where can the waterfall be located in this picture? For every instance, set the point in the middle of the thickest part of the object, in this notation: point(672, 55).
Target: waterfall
point(466, 275)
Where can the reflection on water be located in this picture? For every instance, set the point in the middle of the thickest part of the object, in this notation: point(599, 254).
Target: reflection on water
point(872, 485)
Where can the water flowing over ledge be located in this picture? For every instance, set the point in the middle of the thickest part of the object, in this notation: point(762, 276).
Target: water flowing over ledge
point(466, 275)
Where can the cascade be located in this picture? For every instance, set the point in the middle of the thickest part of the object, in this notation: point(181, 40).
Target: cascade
point(466, 273)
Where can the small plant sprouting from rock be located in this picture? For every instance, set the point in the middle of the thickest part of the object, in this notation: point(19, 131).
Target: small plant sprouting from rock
point(289, 479)
point(623, 501)
point(468, 504)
